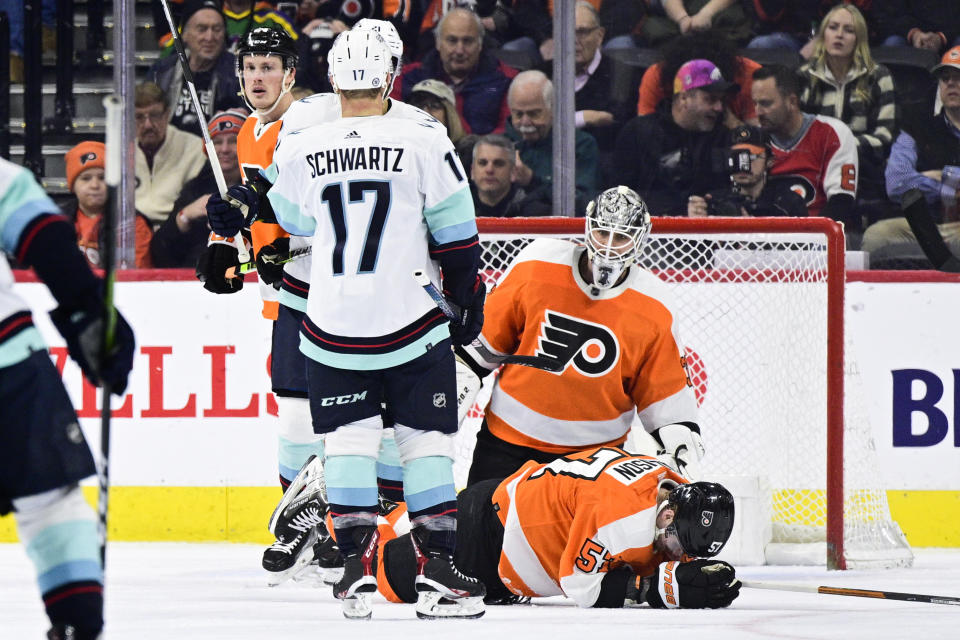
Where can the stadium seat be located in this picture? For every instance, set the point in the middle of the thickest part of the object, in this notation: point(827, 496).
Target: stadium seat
point(519, 60)
point(638, 57)
point(786, 57)
point(910, 68)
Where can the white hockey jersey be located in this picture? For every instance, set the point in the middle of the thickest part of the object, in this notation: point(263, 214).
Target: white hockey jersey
point(374, 192)
point(307, 112)
point(21, 201)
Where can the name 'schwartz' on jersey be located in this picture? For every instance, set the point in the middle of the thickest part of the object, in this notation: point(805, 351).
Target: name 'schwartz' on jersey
point(329, 161)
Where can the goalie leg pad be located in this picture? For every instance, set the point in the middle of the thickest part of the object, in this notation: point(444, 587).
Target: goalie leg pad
point(468, 386)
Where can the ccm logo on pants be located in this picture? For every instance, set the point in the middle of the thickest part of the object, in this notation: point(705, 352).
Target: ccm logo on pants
point(347, 399)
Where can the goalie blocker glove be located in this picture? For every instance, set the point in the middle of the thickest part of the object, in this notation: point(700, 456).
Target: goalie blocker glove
point(681, 448)
point(699, 584)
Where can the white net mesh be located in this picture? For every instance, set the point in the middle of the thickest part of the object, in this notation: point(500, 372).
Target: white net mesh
point(753, 311)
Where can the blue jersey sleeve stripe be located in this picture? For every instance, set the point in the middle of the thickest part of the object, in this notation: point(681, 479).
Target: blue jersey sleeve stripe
point(289, 216)
point(452, 219)
point(270, 173)
point(22, 201)
point(462, 231)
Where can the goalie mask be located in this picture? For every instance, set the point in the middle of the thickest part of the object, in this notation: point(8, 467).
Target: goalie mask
point(703, 518)
point(267, 41)
point(618, 224)
point(360, 60)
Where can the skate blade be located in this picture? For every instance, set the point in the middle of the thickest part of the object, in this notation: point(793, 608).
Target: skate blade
point(434, 606)
point(357, 608)
point(311, 576)
point(332, 576)
point(275, 578)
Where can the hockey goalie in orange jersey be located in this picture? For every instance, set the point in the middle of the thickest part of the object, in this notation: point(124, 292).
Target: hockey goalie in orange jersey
point(603, 527)
point(609, 324)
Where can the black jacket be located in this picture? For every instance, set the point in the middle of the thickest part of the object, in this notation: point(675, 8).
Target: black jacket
point(170, 248)
point(666, 164)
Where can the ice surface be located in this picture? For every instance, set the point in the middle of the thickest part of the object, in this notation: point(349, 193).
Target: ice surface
point(213, 591)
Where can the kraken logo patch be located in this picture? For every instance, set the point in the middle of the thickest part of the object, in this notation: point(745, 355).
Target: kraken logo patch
point(591, 348)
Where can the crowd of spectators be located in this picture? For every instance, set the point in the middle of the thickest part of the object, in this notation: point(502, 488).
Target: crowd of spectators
point(708, 124)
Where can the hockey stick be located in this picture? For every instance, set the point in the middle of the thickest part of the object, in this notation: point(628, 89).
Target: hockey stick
point(914, 207)
point(242, 254)
point(453, 313)
point(247, 267)
point(113, 162)
point(858, 593)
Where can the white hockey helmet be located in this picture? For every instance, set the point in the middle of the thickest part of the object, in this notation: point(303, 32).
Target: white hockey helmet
point(389, 34)
point(618, 224)
point(360, 60)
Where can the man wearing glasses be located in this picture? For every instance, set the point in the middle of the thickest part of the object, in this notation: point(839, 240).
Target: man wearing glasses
point(166, 157)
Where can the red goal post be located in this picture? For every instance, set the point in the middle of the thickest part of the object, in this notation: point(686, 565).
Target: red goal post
point(761, 306)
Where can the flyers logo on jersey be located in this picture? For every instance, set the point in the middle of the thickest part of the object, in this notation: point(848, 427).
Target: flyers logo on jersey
point(591, 348)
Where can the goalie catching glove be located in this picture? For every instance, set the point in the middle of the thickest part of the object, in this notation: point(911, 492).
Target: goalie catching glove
point(681, 448)
point(699, 584)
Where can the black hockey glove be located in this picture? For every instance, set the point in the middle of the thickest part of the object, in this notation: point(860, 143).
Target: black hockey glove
point(471, 315)
point(82, 329)
point(270, 261)
point(237, 209)
point(699, 584)
point(214, 265)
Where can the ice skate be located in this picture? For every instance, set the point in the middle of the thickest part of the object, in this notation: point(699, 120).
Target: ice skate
point(359, 576)
point(298, 528)
point(444, 592)
point(329, 561)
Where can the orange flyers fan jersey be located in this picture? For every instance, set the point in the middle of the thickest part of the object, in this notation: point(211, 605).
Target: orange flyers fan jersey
point(255, 146)
point(619, 349)
point(569, 522)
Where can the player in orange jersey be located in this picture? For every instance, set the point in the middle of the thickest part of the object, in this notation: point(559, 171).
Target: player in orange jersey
point(611, 326)
point(266, 61)
point(603, 527)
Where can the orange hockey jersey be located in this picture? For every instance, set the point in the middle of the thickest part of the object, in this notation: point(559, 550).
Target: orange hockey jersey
point(619, 348)
point(568, 522)
point(255, 146)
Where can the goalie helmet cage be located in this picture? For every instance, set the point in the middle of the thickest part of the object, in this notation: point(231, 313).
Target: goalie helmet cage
point(761, 316)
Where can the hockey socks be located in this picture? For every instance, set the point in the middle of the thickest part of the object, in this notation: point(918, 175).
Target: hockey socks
point(58, 529)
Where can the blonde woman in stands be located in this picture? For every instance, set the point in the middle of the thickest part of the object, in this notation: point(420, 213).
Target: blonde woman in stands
point(842, 80)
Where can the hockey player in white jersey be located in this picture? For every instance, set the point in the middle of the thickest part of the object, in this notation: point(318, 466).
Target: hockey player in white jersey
point(294, 519)
point(383, 194)
point(43, 454)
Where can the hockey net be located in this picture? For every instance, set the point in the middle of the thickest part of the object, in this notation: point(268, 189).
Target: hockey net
point(760, 303)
